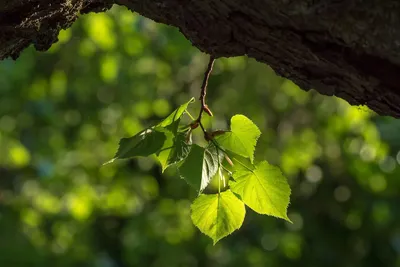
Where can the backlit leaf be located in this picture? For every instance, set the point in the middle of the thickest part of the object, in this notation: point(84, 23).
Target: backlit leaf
point(218, 215)
point(242, 138)
point(263, 188)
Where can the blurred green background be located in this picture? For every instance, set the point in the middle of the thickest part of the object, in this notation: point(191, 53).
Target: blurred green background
point(112, 74)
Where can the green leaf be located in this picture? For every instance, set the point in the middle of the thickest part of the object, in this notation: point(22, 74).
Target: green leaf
point(218, 215)
point(264, 189)
point(242, 138)
point(175, 115)
point(142, 144)
point(201, 165)
point(175, 149)
point(163, 154)
point(180, 149)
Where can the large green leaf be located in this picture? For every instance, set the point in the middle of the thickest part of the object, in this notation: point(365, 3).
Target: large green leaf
point(263, 188)
point(175, 149)
point(175, 115)
point(242, 138)
point(142, 144)
point(200, 166)
point(218, 215)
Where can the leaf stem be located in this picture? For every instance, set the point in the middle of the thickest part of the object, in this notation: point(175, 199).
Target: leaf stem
point(219, 170)
point(219, 180)
point(190, 115)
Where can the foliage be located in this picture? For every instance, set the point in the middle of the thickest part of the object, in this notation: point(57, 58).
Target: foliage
point(262, 187)
point(113, 74)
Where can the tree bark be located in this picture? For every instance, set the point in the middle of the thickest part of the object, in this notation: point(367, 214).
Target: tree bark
point(346, 48)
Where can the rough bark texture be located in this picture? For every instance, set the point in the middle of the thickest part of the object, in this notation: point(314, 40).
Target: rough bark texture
point(347, 48)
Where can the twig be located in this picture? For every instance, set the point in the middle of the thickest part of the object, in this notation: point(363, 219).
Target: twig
point(203, 93)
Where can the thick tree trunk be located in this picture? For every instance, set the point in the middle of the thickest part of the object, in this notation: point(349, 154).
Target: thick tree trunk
point(347, 48)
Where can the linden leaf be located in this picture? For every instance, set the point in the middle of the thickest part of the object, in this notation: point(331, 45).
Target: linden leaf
point(264, 189)
point(242, 138)
point(218, 215)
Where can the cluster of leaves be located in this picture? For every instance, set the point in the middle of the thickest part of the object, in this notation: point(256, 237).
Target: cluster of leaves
point(224, 172)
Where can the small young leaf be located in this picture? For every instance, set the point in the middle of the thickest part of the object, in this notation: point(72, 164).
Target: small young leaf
point(175, 149)
point(242, 138)
point(175, 115)
point(218, 215)
point(200, 166)
point(264, 189)
point(142, 144)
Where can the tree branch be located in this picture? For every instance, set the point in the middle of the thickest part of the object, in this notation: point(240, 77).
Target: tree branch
point(344, 48)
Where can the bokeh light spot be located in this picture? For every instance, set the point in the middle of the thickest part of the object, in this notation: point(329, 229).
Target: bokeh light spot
point(342, 193)
point(161, 107)
point(19, 155)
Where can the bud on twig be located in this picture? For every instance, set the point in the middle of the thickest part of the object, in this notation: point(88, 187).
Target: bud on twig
point(207, 110)
point(228, 160)
point(194, 125)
